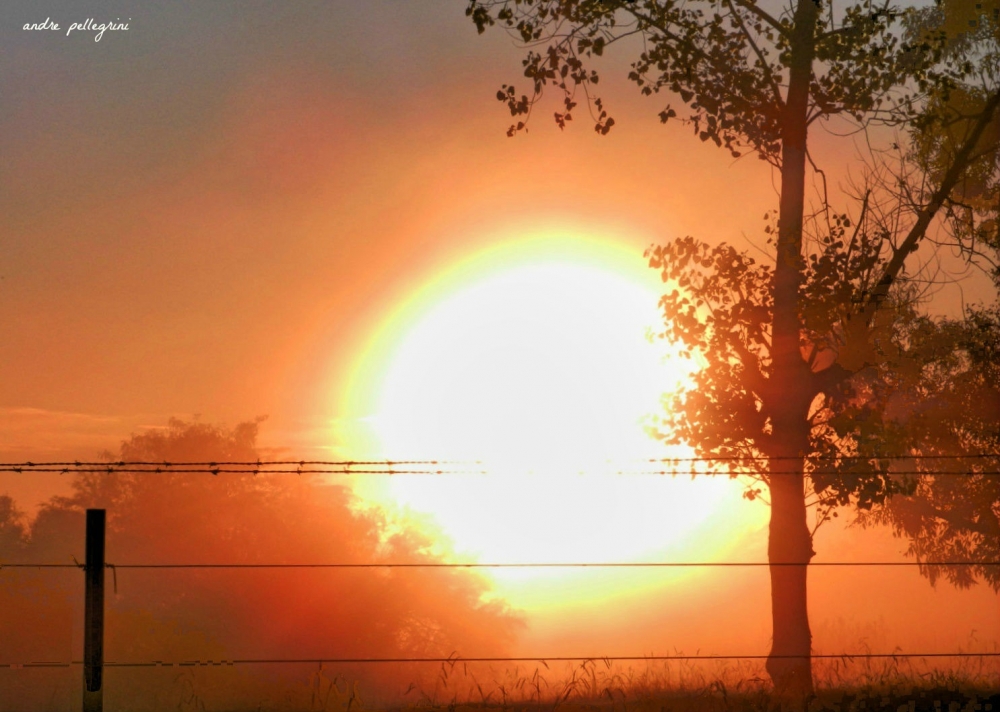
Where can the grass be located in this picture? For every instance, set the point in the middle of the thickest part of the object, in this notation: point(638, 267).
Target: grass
point(858, 685)
point(598, 685)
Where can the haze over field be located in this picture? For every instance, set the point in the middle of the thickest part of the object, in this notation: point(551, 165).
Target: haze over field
point(296, 230)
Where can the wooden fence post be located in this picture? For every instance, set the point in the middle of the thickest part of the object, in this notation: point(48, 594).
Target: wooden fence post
point(93, 617)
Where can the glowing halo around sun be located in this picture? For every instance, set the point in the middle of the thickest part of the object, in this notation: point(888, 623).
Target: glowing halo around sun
point(534, 358)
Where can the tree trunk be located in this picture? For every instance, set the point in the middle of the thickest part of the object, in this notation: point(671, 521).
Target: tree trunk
point(789, 541)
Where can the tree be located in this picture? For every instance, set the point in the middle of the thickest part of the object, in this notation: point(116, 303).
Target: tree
point(12, 527)
point(792, 348)
point(949, 405)
point(940, 383)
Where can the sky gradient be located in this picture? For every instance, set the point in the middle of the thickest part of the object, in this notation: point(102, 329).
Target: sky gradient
point(216, 212)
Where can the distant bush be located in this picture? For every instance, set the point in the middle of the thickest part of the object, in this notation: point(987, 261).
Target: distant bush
point(225, 614)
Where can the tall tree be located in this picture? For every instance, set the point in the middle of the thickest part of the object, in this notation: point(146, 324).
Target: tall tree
point(790, 347)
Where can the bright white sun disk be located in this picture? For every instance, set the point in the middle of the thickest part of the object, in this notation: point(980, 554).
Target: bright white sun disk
point(541, 371)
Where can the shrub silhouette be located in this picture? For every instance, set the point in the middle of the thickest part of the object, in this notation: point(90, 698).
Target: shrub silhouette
point(213, 614)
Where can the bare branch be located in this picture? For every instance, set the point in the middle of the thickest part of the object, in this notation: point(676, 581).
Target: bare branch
point(919, 229)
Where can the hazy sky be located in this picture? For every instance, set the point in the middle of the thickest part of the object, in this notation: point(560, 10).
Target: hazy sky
point(214, 211)
point(209, 212)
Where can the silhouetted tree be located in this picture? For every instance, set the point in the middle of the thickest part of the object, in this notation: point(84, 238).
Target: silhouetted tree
point(12, 529)
point(947, 402)
point(792, 350)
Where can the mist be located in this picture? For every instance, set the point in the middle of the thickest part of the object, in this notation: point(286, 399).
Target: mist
point(177, 615)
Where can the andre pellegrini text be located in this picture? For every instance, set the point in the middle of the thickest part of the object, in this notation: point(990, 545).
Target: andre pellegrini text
point(88, 25)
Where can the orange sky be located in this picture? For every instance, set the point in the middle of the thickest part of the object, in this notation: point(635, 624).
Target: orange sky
point(215, 212)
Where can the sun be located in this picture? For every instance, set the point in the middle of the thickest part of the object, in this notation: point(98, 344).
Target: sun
point(541, 365)
point(535, 360)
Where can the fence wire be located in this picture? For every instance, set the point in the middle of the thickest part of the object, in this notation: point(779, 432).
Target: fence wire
point(505, 565)
point(847, 657)
point(449, 467)
point(649, 466)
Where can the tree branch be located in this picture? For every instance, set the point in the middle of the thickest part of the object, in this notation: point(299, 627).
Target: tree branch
point(778, 101)
point(753, 376)
point(765, 16)
point(919, 229)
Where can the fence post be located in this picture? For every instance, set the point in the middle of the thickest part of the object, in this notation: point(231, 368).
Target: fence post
point(93, 617)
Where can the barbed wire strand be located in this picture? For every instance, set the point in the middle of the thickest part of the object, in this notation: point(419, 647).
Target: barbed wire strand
point(174, 469)
point(455, 660)
point(243, 463)
point(111, 470)
point(349, 463)
point(528, 565)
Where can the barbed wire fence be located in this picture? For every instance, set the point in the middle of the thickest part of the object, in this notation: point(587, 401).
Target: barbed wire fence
point(93, 662)
point(644, 466)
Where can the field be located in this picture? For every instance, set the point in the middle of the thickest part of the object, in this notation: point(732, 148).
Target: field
point(603, 686)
